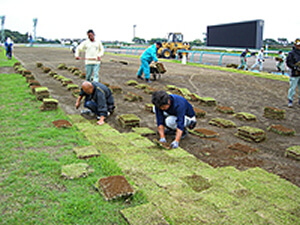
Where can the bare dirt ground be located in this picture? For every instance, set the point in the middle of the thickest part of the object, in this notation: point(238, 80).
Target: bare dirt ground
point(243, 93)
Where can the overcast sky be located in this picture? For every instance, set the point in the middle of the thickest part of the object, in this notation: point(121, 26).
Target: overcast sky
point(114, 19)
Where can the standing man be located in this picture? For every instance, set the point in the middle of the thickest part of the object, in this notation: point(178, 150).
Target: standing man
point(293, 62)
point(244, 59)
point(98, 99)
point(259, 60)
point(280, 62)
point(8, 47)
point(175, 113)
point(147, 57)
point(94, 50)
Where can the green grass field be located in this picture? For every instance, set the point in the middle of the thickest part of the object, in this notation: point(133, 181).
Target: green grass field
point(32, 152)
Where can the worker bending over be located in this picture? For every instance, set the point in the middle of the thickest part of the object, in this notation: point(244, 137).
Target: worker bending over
point(175, 113)
point(147, 57)
point(98, 99)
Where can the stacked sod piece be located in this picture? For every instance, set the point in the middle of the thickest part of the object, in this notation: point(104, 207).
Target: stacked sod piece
point(279, 129)
point(293, 152)
point(199, 112)
point(222, 123)
point(129, 120)
point(49, 104)
point(41, 93)
point(225, 109)
point(149, 107)
point(116, 89)
point(274, 113)
point(207, 101)
point(251, 134)
point(132, 97)
point(245, 116)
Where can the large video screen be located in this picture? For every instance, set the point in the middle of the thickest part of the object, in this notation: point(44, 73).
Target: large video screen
point(248, 34)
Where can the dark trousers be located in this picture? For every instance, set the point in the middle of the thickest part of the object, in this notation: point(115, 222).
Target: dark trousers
point(93, 106)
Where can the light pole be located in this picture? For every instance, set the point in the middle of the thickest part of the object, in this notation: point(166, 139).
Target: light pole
point(2, 28)
point(134, 26)
point(34, 31)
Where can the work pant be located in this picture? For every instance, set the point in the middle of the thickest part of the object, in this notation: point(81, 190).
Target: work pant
point(144, 68)
point(171, 121)
point(258, 63)
point(280, 66)
point(90, 69)
point(93, 106)
point(243, 63)
point(294, 82)
point(8, 52)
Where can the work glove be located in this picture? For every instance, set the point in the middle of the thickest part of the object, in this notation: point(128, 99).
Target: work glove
point(174, 144)
point(163, 140)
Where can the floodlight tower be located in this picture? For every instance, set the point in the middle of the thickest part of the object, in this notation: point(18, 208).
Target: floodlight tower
point(34, 31)
point(2, 29)
point(134, 26)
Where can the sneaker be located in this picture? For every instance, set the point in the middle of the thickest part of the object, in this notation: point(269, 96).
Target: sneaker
point(139, 77)
point(290, 105)
point(148, 81)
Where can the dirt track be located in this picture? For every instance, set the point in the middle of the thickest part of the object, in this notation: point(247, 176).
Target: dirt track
point(243, 93)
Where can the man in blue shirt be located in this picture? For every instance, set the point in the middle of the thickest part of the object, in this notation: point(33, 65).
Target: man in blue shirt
point(175, 113)
point(147, 57)
point(8, 46)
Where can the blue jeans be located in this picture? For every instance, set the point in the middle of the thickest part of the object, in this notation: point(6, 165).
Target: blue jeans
point(144, 68)
point(90, 68)
point(243, 63)
point(294, 82)
point(260, 63)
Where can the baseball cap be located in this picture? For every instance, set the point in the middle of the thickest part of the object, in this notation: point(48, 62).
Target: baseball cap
point(297, 41)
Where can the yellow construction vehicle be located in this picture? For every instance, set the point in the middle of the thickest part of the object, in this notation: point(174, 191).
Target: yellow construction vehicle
point(175, 42)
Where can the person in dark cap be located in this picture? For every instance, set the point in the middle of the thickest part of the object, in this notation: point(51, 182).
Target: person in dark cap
point(293, 62)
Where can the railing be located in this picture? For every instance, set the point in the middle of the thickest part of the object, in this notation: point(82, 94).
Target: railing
point(201, 53)
point(126, 50)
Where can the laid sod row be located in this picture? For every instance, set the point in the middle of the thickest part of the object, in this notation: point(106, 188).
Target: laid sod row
point(183, 190)
point(32, 154)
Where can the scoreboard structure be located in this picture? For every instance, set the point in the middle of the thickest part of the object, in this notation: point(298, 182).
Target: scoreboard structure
point(248, 34)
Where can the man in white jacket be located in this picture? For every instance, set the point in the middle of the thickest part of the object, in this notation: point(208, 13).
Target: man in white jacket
point(259, 60)
point(94, 50)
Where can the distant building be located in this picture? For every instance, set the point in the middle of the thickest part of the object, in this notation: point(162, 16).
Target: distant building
point(247, 34)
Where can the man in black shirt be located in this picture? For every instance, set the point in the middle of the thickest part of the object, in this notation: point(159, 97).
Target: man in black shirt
point(98, 99)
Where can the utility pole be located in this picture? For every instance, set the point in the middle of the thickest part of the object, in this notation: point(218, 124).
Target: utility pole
point(34, 32)
point(134, 26)
point(2, 29)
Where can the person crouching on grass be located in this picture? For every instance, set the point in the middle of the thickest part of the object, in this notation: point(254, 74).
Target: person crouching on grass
point(175, 113)
point(98, 100)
